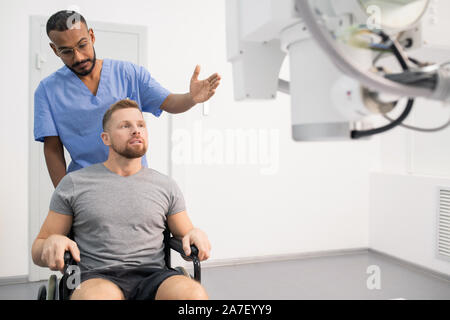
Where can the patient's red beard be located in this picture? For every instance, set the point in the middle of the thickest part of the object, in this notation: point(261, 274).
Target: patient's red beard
point(130, 152)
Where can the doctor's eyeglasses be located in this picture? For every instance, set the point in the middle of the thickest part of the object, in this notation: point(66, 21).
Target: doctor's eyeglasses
point(81, 47)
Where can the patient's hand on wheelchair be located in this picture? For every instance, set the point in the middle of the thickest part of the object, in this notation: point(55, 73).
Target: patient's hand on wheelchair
point(56, 245)
point(53, 251)
point(198, 238)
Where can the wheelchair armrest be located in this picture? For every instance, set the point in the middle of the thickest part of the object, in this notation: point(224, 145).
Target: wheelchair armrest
point(177, 245)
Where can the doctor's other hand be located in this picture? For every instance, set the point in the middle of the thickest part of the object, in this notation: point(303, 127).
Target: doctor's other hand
point(203, 90)
point(53, 251)
point(198, 238)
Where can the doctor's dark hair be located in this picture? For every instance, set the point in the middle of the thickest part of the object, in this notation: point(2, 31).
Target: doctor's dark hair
point(64, 20)
point(122, 104)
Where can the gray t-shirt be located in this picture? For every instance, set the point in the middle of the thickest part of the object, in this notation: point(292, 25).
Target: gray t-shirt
point(118, 221)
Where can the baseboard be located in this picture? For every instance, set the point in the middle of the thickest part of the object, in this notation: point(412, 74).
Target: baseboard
point(279, 257)
point(414, 266)
point(13, 280)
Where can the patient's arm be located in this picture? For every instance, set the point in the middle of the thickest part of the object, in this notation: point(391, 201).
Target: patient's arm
point(52, 241)
point(181, 227)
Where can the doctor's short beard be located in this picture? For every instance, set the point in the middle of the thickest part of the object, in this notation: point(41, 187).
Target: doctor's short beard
point(87, 72)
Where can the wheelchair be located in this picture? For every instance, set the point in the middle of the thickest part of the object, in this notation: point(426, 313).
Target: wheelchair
point(59, 290)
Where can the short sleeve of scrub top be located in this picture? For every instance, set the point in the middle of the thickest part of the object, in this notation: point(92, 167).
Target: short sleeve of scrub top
point(65, 107)
point(44, 126)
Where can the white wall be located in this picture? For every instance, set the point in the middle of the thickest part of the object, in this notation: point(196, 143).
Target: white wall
point(403, 218)
point(317, 200)
point(404, 193)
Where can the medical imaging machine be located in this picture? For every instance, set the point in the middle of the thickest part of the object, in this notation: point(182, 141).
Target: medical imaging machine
point(349, 60)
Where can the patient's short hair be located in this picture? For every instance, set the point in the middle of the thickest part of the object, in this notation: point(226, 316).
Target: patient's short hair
point(122, 104)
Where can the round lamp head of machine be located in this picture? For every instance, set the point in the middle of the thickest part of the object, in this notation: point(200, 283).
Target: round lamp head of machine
point(394, 14)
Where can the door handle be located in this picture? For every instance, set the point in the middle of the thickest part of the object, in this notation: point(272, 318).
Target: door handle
point(39, 61)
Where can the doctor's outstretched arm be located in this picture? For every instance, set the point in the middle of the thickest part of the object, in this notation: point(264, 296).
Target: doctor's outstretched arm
point(199, 91)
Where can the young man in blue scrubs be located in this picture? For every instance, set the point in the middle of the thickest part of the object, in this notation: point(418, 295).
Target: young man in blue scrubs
point(70, 103)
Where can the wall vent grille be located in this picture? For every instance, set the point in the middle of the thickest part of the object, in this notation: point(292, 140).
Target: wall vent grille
point(443, 239)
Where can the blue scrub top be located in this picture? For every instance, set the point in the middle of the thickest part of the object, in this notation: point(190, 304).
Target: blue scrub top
point(65, 107)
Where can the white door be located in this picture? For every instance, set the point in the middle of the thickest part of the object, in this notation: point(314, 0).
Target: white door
point(114, 41)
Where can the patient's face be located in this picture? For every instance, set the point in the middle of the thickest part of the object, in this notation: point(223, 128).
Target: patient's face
point(128, 133)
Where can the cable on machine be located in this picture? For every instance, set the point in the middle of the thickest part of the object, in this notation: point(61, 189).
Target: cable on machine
point(395, 49)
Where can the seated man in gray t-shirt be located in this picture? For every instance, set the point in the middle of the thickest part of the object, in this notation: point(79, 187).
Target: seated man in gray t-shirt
point(117, 211)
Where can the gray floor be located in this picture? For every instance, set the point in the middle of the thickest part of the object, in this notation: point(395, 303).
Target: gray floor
point(335, 277)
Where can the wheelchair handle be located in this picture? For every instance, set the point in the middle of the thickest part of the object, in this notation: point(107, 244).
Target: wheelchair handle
point(177, 245)
point(67, 257)
point(68, 260)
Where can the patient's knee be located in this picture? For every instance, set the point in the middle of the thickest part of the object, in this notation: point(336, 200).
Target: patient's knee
point(194, 291)
point(98, 289)
point(181, 288)
point(198, 293)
